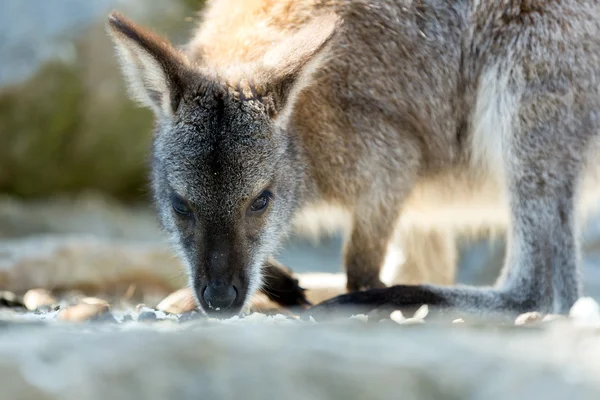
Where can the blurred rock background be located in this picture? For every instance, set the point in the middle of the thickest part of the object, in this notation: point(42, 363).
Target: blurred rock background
point(73, 157)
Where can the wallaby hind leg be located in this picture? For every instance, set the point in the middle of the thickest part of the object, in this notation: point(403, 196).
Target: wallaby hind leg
point(545, 170)
point(543, 161)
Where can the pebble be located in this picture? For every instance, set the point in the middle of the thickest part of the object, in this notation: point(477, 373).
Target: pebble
point(528, 318)
point(105, 317)
point(178, 302)
point(147, 316)
point(585, 308)
point(585, 312)
point(417, 318)
point(189, 316)
point(95, 301)
point(83, 311)
point(397, 316)
point(38, 298)
point(422, 312)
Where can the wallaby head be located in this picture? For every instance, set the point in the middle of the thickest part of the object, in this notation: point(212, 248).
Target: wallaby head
point(226, 174)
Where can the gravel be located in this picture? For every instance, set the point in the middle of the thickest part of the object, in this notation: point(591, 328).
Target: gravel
point(150, 354)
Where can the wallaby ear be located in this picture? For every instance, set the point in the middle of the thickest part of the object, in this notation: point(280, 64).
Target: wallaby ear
point(155, 71)
point(289, 65)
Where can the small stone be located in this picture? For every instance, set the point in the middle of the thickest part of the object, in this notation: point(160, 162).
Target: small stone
point(458, 321)
point(422, 312)
point(397, 317)
point(9, 299)
point(178, 302)
point(106, 317)
point(189, 316)
point(95, 301)
point(82, 312)
point(585, 310)
point(147, 316)
point(528, 318)
point(38, 298)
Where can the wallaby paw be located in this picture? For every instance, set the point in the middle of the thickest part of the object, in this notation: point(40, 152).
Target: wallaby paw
point(288, 293)
point(281, 287)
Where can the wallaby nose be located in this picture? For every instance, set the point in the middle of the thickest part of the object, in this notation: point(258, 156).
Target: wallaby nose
point(219, 297)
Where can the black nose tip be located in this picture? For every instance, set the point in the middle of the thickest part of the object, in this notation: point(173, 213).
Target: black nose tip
point(219, 297)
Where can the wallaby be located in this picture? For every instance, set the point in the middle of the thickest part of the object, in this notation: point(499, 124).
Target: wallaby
point(421, 117)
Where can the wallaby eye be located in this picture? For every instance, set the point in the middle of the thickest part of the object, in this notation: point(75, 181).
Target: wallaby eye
point(261, 202)
point(180, 207)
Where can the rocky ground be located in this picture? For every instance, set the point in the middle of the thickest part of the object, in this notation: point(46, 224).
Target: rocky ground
point(155, 355)
point(91, 307)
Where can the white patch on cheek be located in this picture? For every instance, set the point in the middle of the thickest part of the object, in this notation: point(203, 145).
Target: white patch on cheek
point(255, 282)
point(259, 256)
point(255, 277)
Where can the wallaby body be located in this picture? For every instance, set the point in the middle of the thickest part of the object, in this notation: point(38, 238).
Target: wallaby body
point(408, 118)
